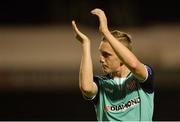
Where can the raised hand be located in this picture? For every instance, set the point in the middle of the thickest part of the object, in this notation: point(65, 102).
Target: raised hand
point(79, 35)
point(102, 19)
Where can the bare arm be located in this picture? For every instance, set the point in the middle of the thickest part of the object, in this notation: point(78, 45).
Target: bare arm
point(86, 84)
point(128, 58)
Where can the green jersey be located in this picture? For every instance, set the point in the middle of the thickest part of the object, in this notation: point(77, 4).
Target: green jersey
point(124, 99)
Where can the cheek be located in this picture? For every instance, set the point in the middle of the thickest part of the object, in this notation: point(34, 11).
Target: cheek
point(116, 64)
point(113, 62)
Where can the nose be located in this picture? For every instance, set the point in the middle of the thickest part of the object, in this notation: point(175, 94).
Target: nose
point(102, 60)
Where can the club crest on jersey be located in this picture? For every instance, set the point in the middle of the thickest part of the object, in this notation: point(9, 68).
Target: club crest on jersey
point(131, 85)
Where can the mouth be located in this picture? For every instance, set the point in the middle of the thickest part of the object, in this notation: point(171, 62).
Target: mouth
point(104, 66)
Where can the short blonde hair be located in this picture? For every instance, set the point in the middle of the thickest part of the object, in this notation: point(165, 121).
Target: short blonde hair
point(123, 37)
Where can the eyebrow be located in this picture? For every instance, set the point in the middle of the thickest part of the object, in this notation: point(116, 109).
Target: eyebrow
point(105, 52)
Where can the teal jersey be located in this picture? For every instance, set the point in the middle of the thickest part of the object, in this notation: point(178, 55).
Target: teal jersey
point(124, 99)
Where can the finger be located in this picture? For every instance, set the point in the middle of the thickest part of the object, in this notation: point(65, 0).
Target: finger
point(78, 33)
point(94, 12)
point(73, 22)
point(74, 26)
point(97, 11)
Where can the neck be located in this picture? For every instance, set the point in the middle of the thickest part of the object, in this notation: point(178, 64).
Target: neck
point(123, 72)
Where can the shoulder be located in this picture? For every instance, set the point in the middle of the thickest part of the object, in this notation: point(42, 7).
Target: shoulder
point(101, 78)
point(148, 84)
point(98, 80)
point(149, 69)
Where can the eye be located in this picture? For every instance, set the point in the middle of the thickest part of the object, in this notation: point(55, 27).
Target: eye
point(106, 55)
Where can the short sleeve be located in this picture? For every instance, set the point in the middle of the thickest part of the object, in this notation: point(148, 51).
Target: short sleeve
point(94, 98)
point(148, 85)
point(96, 80)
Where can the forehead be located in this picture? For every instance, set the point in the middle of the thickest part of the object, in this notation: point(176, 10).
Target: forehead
point(105, 46)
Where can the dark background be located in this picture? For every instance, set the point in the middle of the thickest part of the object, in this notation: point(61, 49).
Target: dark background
point(120, 12)
point(66, 103)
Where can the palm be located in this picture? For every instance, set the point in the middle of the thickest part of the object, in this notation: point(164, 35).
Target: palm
point(79, 35)
point(102, 19)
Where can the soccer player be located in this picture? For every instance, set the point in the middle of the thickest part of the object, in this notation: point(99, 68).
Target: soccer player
point(125, 92)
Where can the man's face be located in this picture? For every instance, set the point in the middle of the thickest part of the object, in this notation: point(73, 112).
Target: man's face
point(108, 59)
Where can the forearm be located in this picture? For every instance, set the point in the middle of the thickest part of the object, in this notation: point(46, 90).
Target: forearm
point(126, 56)
point(86, 83)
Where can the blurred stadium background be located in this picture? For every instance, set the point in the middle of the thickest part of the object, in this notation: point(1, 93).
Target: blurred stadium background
point(40, 58)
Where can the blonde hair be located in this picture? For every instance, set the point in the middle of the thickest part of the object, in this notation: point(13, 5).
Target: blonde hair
point(123, 37)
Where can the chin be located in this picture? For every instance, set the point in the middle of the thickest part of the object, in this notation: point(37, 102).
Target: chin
point(106, 71)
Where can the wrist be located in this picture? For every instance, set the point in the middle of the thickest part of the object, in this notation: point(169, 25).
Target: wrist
point(86, 43)
point(105, 31)
point(86, 47)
